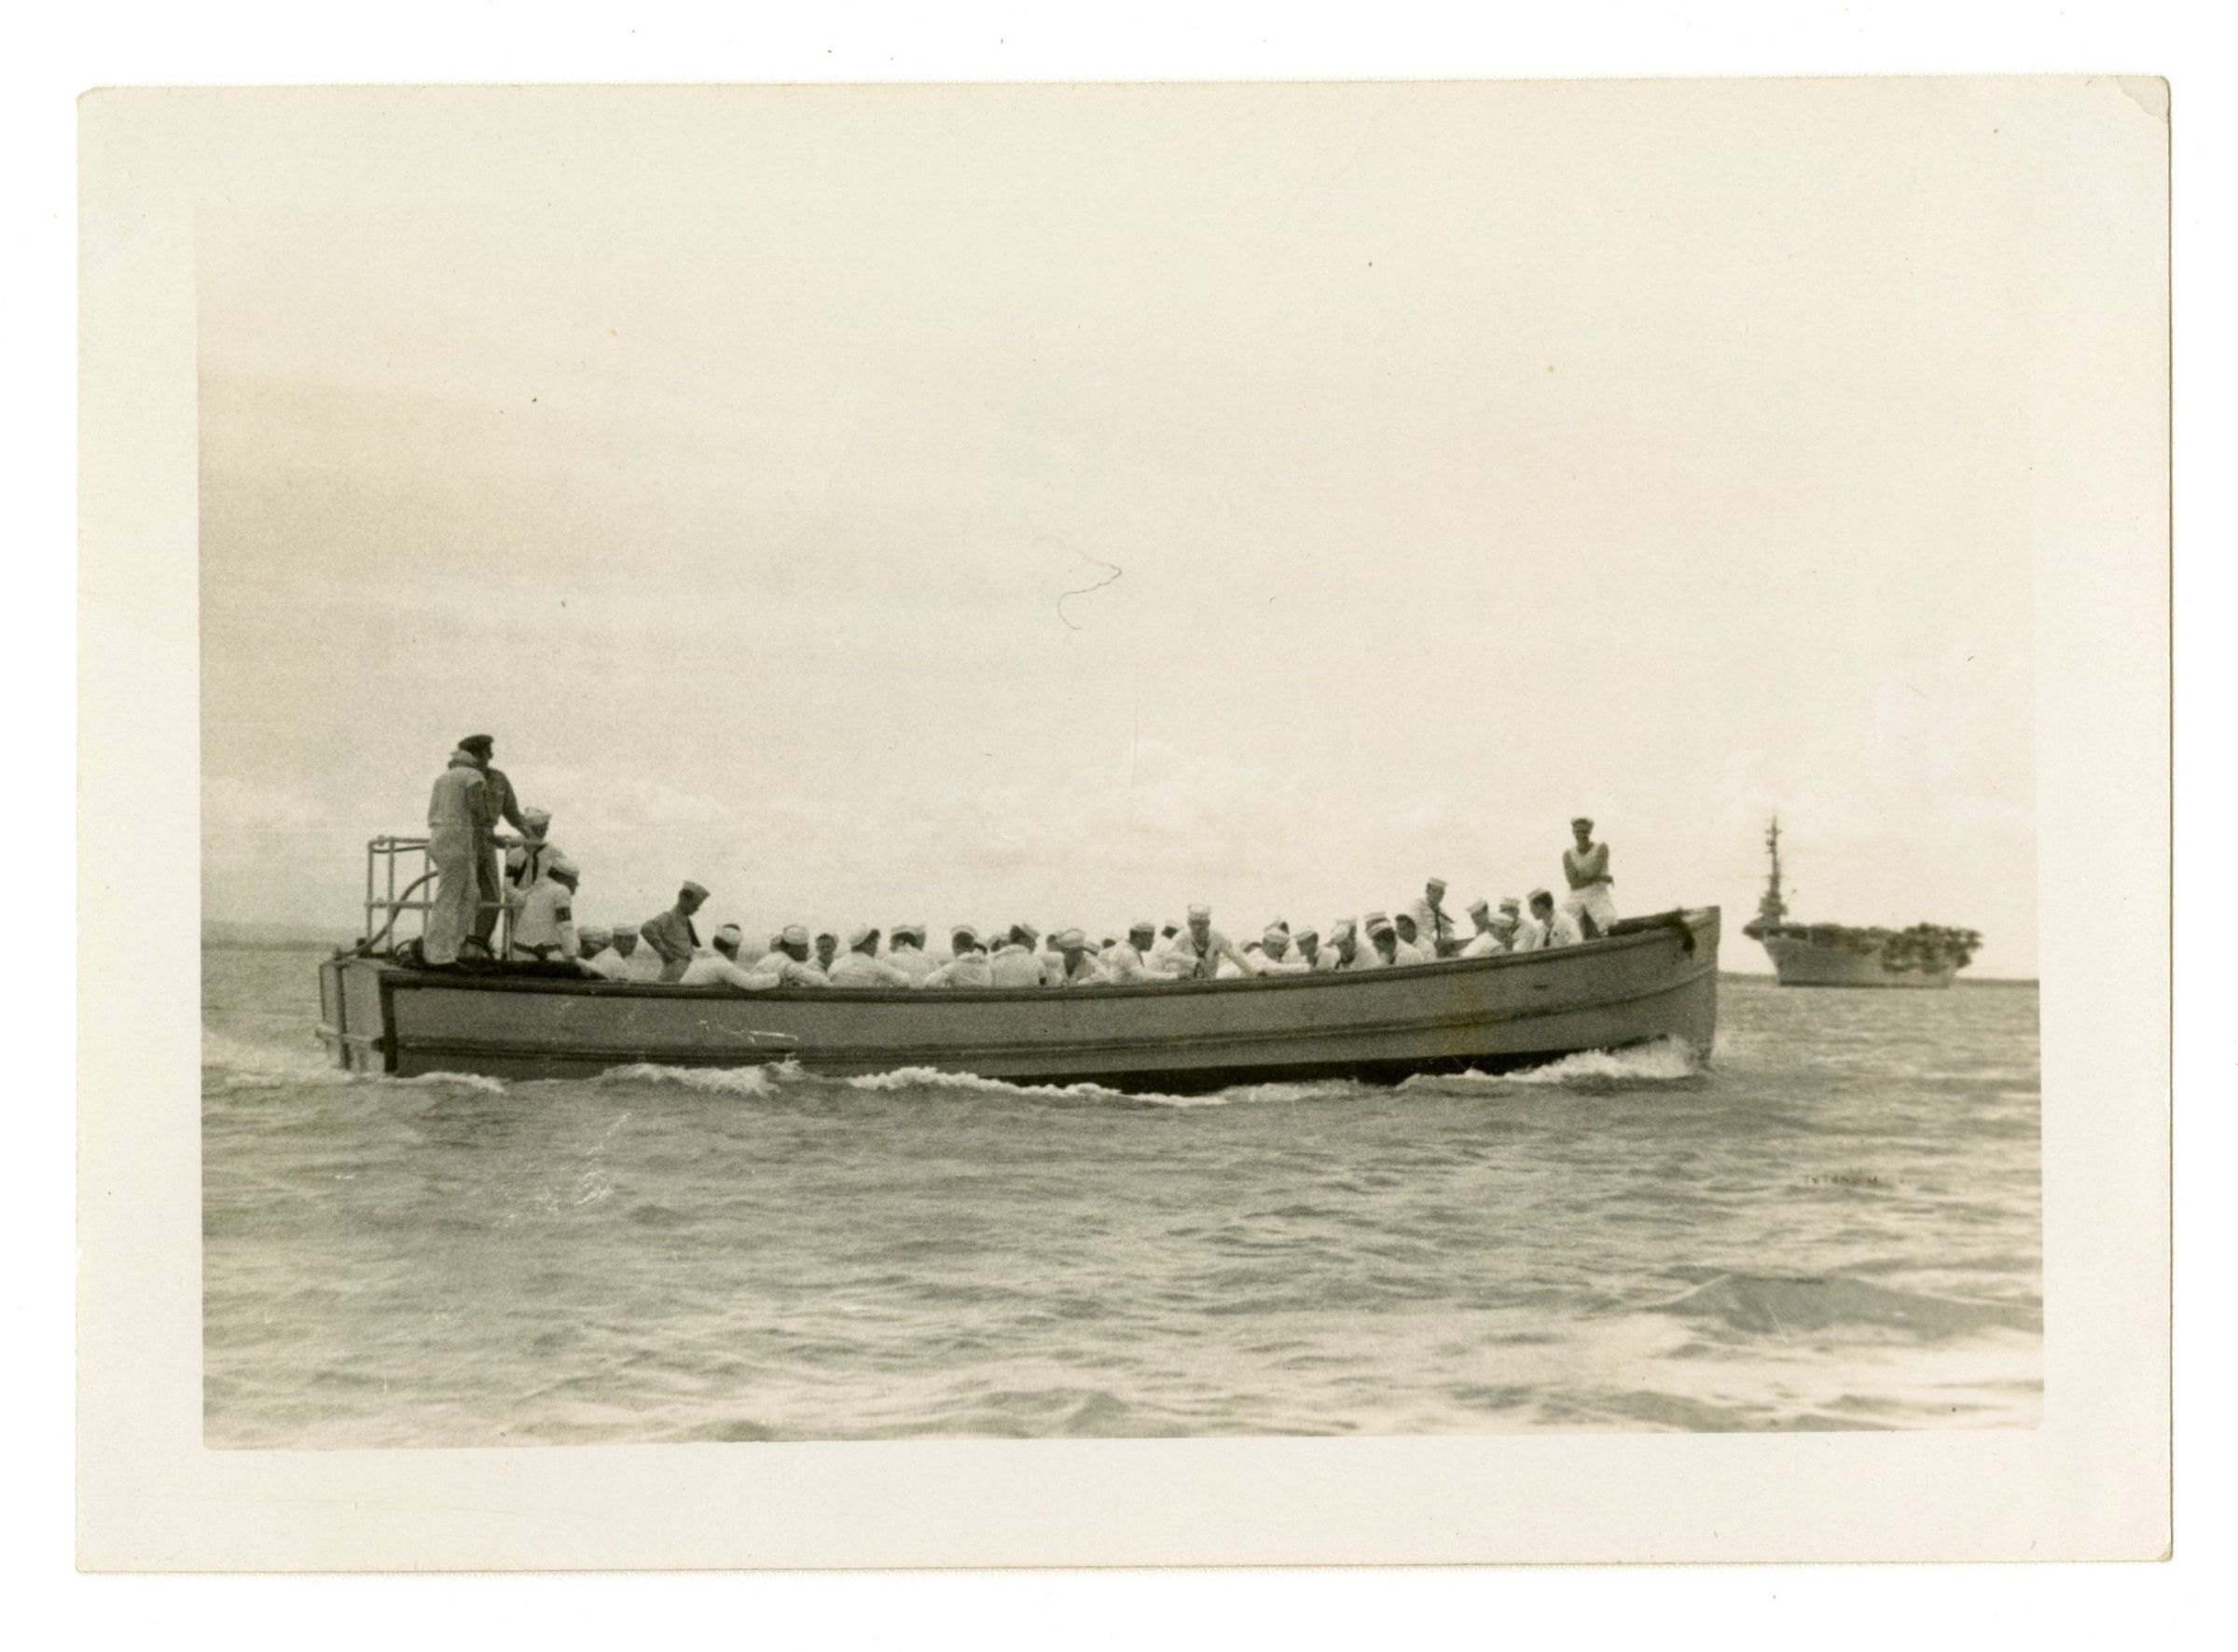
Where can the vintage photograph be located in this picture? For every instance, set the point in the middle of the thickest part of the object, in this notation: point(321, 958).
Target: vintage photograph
point(1167, 761)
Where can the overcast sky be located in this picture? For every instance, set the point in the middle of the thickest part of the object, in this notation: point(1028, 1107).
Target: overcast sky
point(1444, 463)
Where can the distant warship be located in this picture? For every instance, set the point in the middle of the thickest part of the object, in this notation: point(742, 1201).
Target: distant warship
point(1836, 955)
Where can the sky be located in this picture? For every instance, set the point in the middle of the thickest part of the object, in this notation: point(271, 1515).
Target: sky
point(1066, 503)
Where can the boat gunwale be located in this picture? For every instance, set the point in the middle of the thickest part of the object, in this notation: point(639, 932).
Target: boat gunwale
point(396, 977)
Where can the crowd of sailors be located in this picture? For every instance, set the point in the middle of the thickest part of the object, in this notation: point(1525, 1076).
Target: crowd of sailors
point(536, 884)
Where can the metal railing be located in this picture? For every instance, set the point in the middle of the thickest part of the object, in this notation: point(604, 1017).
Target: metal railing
point(386, 902)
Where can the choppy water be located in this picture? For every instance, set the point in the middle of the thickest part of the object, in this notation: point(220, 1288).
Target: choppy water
point(1834, 1226)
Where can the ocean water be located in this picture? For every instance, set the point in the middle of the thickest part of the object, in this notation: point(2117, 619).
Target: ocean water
point(1833, 1224)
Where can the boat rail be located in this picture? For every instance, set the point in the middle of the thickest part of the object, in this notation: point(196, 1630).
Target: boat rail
point(386, 902)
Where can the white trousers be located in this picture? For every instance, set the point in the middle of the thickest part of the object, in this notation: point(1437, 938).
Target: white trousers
point(1594, 902)
point(457, 890)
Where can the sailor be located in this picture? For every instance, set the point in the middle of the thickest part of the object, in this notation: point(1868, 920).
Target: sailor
point(1274, 956)
point(1311, 954)
point(505, 806)
point(1487, 942)
point(614, 963)
point(1410, 946)
point(1529, 935)
point(1129, 961)
point(670, 936)
point(1013, 963)
point(591, 940)
point(544, 925)
point(1076, 965)
point(967, 965)
point(1382, 942)
point(525, 859)
point(1590, 905)
point(1195, 952)
point(1435, 931)
point(722, 966)
point(458, 821)
point(1344, 944)
point(789, 965)
point(862, 966)
point(1052, 959)
point(827, 948)
point(1556, 929)
point(908, 951)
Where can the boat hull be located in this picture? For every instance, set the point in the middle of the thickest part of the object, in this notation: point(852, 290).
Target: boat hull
point(1654, 979)
point(1805, 963)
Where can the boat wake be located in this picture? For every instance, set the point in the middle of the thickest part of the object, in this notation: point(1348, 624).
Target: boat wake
point(233, 1065)
point(1663, 1061)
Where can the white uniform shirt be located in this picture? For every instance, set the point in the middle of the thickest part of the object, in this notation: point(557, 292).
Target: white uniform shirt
point(1482, 944)
point(968, 969)
point(1123, 963)
point(1529, 936)
point(1409, 952)
point(1183, 958)
point(1428, 932)
point(1562, 931)
point(781, 968)
point(546, 920)
point(1289, 963)
point(1014, 966)
point(611, 964)
point(860, 969)
point(711, 969)
point(910, 961)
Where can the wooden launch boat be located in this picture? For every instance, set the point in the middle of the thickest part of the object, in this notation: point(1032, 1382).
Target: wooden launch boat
point(1649, 978)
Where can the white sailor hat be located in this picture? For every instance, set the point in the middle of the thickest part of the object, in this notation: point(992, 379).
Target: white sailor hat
point(1027, 930)
point(1070, 939)
point(1276, 932)
point(730, 935)
point(966, 931)
point(1585, 820)
point(795, 935)
point(1343, 930)
point(537, 817)
point(1276, 923)
point(827, 935)
point(1141, 926)
point(1511, 905)
point(596, 932)
point(777, 938)
point(858, 934)
point(1376, 923)
point(1308, 932)
point(898, 930)
point(561, 866)
point(1436, 883)
point(1538, 895)
point(1480, 904)
point(1199, 912)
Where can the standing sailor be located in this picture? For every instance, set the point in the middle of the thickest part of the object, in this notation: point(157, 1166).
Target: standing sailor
point(862, 966)
point(524, 861)
point(503, 805)
point(1435, 931)
point(671, 936)
point(458, 814)
point(1585, 864)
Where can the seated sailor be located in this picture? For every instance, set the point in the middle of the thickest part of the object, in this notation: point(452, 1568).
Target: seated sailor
point(1015, 963)
point(1556, 929)
point(789, 965)
point(670, 936)
point(1129, 961)
point(1409, 949)
point(1274, 956)
point(591, 940)
point(1487, 942)
point(1585, 865)
point(1344, 944)
point(828, 949)
point(1311, 954)
point(862, 966)
point(967, 965)
point(1195, 952)
point(1528, 936)
point(1435, 932)
point(543, 924)
point(1076, 965)
point(722, 966)
point(615, 961)
point(1383, 943)
point(906, 951)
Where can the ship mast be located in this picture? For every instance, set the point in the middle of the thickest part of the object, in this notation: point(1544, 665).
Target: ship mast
point(1772, 908)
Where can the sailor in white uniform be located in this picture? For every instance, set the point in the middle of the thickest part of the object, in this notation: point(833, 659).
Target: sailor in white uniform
point(1409, 945)
point(1310, 952)
point(1014, 961)
point(1435, 931)
point(1129, 959)
point(968, 965)
point(1487, 942)
point(1590, 906)
point(1555, 928)
point(1274, 956)
point(1196, 949)
point(1344, 946)
point(1076, 965)
point(789, 965)
point(720, 967)
point(860, 965)
point(906, 951)
point(544, 925)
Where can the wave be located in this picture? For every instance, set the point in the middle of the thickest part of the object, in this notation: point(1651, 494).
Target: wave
point(1663, 1061)
point(1784, 1307)
point(231, 1066)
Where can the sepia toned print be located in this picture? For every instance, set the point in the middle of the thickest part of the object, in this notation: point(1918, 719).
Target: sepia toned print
point(1122, 764)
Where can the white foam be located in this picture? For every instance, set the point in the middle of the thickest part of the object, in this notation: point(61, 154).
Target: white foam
point(714, 1081)
point(1660, 1062)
